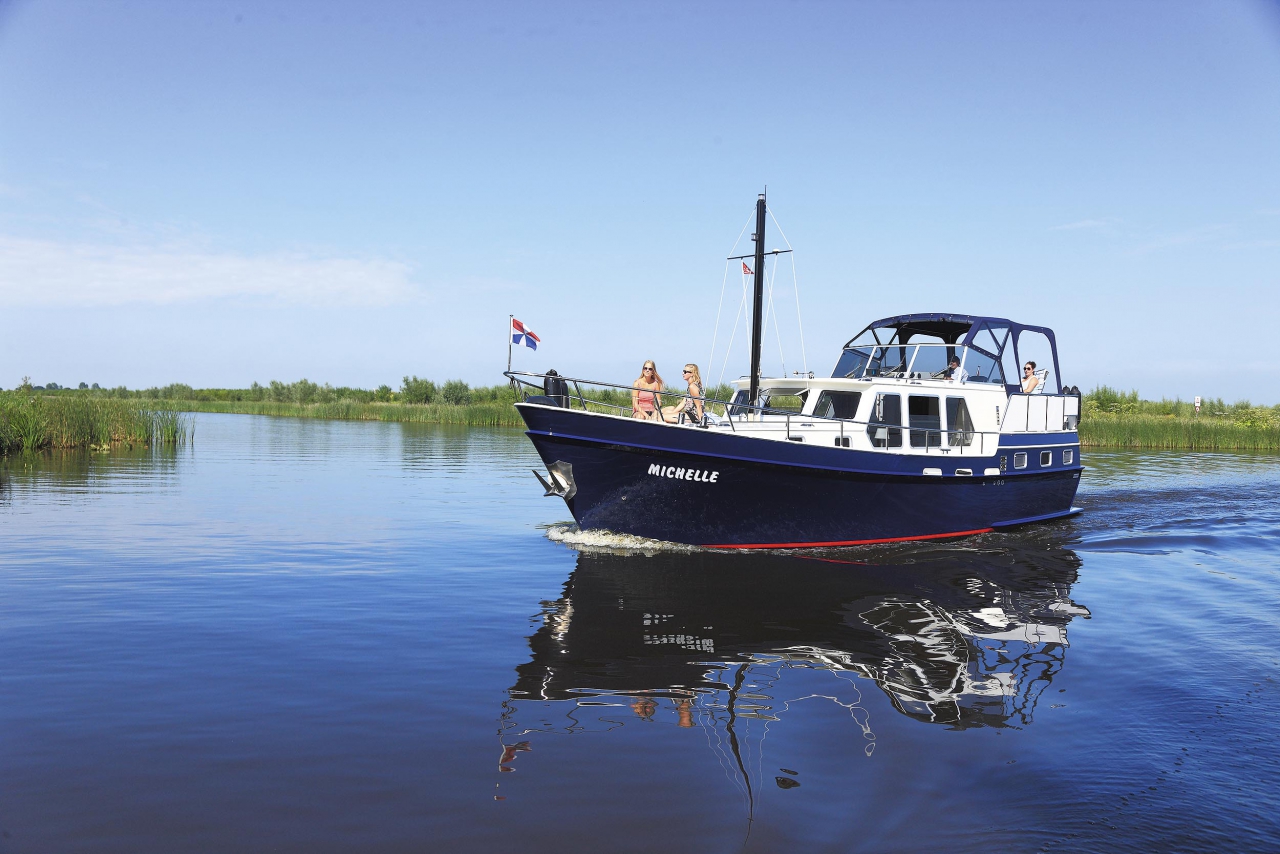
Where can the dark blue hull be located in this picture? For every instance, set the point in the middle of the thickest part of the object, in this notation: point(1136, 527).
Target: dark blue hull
point(712, 488)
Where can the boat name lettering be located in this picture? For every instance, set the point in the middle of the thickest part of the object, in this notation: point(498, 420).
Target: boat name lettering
point(698, 475)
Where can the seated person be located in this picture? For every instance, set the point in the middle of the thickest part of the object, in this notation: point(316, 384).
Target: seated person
point(1029, 378)
point(645, 400)
point(955, 372)
point(691, 408)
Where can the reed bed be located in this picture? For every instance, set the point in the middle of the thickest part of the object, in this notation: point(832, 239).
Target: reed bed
point(1196, 433)
point(489, 413)
point(98, 418)
point(33, 422)
point(467, 414)
point(1206, 432)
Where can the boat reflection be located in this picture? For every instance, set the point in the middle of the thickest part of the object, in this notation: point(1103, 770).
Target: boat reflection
point(961, 635)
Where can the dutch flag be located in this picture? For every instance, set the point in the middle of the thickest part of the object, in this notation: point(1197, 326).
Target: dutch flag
point(521, 334)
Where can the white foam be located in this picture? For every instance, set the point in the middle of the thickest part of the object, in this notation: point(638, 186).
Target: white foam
point(570, 535)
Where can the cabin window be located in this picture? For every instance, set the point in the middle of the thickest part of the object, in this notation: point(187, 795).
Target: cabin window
point(1046, 458)
point(1020, 460)
point(925, 420)
point(931, 360)
point(991, 338)
point(959, 424)
point(982, 368)
point(890, 361)
point(1035, 347)
point(783, 402)
point(884, 426)
point(851, 365)
point(837, 404)
point(1068, 457)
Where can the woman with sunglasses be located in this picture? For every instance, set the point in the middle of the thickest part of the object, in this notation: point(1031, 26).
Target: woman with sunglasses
point(645, 399)
point(691, 407)
point(1029, 378)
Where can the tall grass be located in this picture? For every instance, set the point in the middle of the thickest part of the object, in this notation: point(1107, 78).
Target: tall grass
point(31, 419)
point(31, 422)
point(1115, 419)
point(471, 415)
point(1203, 433)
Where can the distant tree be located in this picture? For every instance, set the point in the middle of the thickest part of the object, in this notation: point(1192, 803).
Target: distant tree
point(52, 386)
point(383, 393)
point(414, 390)
point(304, 391)
point(177, 391)
point(256, 392)
point(25, 385)
point(456, 392)
point(95, 386)
point(84, 385)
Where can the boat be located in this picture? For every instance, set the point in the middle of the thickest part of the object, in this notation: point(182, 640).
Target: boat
point(896, 444)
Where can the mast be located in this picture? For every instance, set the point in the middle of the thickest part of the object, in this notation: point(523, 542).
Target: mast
point(757, 321)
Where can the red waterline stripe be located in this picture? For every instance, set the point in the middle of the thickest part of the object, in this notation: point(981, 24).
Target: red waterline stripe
point(851, 542)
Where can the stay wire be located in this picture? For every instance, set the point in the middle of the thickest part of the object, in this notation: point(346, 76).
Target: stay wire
point(716, 332)
point(777, 333)
point(725, 364)
point(795, 283)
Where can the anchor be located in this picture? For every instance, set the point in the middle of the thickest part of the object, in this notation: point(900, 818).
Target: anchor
point(559, 480)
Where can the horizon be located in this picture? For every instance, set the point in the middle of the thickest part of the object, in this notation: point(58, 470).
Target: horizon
point(214, 196)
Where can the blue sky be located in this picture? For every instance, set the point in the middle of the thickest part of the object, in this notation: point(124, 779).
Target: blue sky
point(217, 193)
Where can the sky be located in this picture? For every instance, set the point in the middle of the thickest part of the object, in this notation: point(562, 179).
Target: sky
point(221, 193)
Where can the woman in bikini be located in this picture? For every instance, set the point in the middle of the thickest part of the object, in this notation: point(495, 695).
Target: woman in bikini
point(691, 406)
point(645, 399)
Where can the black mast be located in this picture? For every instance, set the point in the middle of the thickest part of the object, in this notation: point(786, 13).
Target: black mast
point(757, 321)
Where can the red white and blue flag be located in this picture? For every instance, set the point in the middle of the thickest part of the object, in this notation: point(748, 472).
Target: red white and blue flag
point(521, 334)
point(746, 271)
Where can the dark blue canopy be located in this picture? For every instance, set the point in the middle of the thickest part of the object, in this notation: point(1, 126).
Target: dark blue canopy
point(962, 329)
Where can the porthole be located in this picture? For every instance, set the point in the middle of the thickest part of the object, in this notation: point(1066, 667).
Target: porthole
point(1046, 458)
point(1020, 460)
point(1068, 457)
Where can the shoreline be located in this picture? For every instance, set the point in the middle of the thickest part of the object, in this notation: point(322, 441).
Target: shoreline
point(74, 421)
point(1098, 430)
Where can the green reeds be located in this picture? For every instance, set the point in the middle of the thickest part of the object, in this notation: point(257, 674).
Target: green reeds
point(33, 422)
point(1195, 433)
point(471, 414)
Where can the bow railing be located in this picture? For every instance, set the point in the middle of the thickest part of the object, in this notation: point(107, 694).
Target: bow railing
point(604, 398)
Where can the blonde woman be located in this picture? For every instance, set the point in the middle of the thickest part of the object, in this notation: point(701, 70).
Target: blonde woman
point(691, 406)
point(646, 402)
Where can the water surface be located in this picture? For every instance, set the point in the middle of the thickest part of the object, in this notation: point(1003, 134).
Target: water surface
point(320, 636)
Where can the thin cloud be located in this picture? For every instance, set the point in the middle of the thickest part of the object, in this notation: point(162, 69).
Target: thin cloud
point(44, 272)
point(1084, 223)
point(1254, 244)
point(1202, 234)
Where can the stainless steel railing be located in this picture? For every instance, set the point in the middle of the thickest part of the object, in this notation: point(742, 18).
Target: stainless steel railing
point(882, 436)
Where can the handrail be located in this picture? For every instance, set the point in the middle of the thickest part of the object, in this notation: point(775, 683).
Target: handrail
point(732, 409)
point(514, 376)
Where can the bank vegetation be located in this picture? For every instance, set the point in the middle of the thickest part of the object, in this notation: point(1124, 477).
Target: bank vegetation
point(91, 416)
point(32, 421)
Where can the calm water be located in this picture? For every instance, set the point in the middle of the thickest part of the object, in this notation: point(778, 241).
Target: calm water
point(302, 636)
